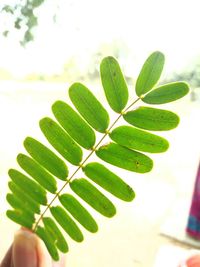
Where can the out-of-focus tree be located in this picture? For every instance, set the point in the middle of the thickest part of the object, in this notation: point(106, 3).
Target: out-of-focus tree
point(21, 14)
point(191, 75)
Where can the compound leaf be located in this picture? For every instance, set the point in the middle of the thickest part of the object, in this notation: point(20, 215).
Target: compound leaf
point(150, 73)
point(61, 141)
point(75, 130)
point(67, 223)
point(152, 119)
point(116, 154)
point(75, 126)
point(138, 139)
point(167, 93)
point(109, 181)
point(46, 158)
point(74, 207)
point(89, 107)
point(114, 84)
point(91, 195)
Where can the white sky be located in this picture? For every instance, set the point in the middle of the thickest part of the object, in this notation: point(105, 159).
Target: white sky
point(170, 26)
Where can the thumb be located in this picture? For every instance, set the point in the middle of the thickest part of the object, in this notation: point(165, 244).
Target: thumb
point(24, 252)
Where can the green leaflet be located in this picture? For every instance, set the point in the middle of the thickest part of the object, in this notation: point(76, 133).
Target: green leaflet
point(55, 232)
point(109, 181)
point(20, 217)
point(61, 141)
point(138, 139)
point(74, 207)
point(152, 119)
point(89, 107)
point(75, 126)
point(93, 197)
point(125, 158)
point(30, 187)
point(29, 202)
point(150, 73)
point(114, 84)
point(37, 172)
point(49, 242)
point(67, 223)
point(46, 158)
point(18, 204)
point(166, 93)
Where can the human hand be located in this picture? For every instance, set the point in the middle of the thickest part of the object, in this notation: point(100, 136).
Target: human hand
point(27, 251)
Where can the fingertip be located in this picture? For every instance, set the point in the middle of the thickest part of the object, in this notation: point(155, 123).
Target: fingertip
point(24, 249)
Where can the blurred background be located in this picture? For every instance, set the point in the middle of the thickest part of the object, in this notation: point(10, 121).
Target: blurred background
point(47, 45)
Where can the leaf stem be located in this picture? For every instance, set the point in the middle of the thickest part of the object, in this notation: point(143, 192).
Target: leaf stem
point(126, 109)
point(81, 164)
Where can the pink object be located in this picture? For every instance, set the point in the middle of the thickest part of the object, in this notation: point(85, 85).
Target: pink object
point(194, 261)
point(193, 226)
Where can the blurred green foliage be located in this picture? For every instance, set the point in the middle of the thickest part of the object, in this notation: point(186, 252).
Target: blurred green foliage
point(23, 18)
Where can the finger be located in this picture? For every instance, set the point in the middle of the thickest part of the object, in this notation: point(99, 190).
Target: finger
point(24, 253)
point(44, 258)
point(6, 262)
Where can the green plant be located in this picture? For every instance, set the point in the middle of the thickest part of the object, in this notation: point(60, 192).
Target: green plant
point(75, 131)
